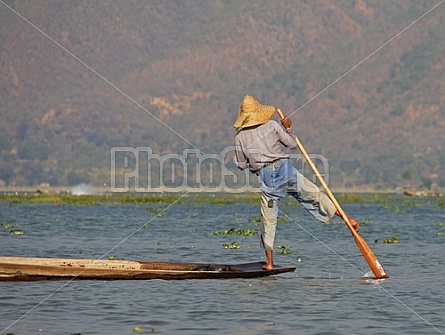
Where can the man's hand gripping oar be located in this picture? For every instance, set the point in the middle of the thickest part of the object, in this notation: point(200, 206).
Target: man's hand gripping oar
point(370, 258)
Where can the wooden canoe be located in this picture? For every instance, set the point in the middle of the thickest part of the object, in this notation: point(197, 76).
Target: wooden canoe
point(33, 269)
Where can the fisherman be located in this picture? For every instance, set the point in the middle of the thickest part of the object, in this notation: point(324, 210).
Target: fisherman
point(259, 142)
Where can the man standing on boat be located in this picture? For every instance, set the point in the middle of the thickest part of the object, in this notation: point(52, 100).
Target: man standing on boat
point(259, 142)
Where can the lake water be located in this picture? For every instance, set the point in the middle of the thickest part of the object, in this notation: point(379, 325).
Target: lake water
point(326, 295)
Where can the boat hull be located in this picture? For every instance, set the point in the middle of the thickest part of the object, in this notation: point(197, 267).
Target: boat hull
point(34, 269)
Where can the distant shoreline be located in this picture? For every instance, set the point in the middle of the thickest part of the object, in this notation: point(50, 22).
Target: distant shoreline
point(106, 190)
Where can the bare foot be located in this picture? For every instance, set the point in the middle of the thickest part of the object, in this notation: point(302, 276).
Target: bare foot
point(267, 267)
point(269, 260)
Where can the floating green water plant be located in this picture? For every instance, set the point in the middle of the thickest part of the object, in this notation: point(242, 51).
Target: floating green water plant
point(392, 239)
point(234, 231)
point(233, 245)
point(366, 222)
point(12, 230)
point(284, 250)
point(9, 226)
point(16, 232)
point(139, 330)
point(394, 208)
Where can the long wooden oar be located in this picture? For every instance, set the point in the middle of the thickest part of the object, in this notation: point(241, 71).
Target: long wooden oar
point(370, 258)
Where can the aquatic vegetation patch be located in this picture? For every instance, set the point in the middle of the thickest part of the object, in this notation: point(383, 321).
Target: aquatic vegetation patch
point(16, 232)
point(285, 250)
point(392, 239)
point(366, 222)
point(234, 231)
point(125, 198)
point(233, 245)
point(350, 197)
point(394, 208)
point(12, 229)
point(9, 226)
point(219, 199)
point(439, 225)
point(138, 329)
point(389, 240)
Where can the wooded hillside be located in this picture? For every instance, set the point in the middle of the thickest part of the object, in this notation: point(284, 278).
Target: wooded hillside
point(78, 78)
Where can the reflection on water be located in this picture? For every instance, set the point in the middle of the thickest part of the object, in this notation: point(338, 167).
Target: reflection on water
point(327, 294)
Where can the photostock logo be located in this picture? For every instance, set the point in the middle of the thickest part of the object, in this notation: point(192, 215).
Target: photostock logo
point(140, 170)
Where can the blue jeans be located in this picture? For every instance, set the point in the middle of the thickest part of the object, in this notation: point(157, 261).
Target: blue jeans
point(280, 180)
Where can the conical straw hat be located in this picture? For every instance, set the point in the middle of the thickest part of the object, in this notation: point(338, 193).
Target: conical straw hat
point(252, 113)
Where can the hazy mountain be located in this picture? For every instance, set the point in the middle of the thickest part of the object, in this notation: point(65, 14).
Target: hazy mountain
point(363, 81)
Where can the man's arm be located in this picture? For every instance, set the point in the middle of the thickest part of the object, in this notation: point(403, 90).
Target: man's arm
point(287, 137)
point(240, 157)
